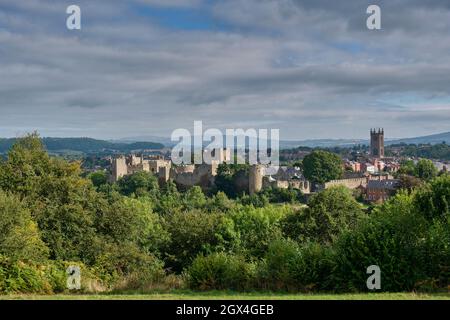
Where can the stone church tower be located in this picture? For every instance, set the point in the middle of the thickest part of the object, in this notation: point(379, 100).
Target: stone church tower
point(377, 143)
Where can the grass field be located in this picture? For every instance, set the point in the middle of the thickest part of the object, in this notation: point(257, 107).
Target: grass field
point(219, 295)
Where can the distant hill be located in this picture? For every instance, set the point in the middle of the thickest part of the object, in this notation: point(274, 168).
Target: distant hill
point(86, 145)
point(320, 143)
point(326, 143)
point(431, 139)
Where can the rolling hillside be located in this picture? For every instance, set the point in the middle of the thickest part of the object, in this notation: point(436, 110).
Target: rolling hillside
point(86, 145)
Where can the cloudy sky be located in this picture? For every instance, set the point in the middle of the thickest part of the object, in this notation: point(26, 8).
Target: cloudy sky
point(310, 68)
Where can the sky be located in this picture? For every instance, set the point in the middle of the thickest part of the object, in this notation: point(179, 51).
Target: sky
point(309, 68)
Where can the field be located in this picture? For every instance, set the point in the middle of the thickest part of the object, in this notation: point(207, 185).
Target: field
point(219, 295)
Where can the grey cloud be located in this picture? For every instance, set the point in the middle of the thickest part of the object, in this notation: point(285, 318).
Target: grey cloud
point(278, 63)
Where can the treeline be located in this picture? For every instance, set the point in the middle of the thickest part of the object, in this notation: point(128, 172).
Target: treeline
point(85, 145)
point(436, 151)
point(137, 234)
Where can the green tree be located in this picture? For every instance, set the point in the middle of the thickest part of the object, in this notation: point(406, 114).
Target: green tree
point(194, 198)
point(98, 178)
point(407, 167)
point(322, 166)
point(257, 227)
point(19, 236)
point(196, 232)
point(425, 170)
point(391, 238)
point(27, 161)
point(139, 183)
point(132, 220)
point(329, 213)
point(433, 199)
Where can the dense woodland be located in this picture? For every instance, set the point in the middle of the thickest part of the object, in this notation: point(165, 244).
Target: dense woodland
point(85, 145)
point(139, 235)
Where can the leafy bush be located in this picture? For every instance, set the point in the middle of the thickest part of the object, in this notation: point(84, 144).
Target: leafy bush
point(46, 278)
point(390, 239)
point(139, 183)
point(19, 236)
point(196, 232)
point(275, 271)
point(437, 254)
point(220, 271)
point(433, 200)
point(287, 266)
point(257, 227)
point(330, 212)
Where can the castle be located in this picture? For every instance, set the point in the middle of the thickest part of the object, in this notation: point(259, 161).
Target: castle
point(203, 175)
point(259, 176)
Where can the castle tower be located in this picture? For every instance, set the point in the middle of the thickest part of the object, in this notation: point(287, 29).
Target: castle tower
point(164, 174)
point(119, 168)
point(255, 181)
point(377, 143)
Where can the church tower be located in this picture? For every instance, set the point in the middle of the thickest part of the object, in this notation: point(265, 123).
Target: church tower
point(377, 143)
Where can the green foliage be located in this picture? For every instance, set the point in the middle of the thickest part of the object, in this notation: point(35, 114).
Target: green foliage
point(19, 236)
point(287, 266)
point(194, 198)
point(256, 200)
point(437, 253)
point(86, 145)
point(196, 232)
point(220, 271)
point(116, 261)
point(390, 239)
point(258, 227)
point(227, 179)
point(132, 220)
point(139, 183)
point(279, 195)
point(276, 270)
point(322, 166)
point(98, 178)
point(219, 202)
point(433, 200)
point(407, 167)
point(428, 151)
point(27, 162)
point(124, 234)
point(330, 212)
point(425, 170)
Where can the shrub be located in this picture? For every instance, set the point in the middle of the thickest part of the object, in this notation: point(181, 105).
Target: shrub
point(45, 278)
point(390, 239)
point(314, 267)
point(258, 227)
point(287, 266)
point(330, 212)
point(220, 271)
point(275, 271)
point(433, 200)
point(196, 232)
point(20, 238)
point(437, 253)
